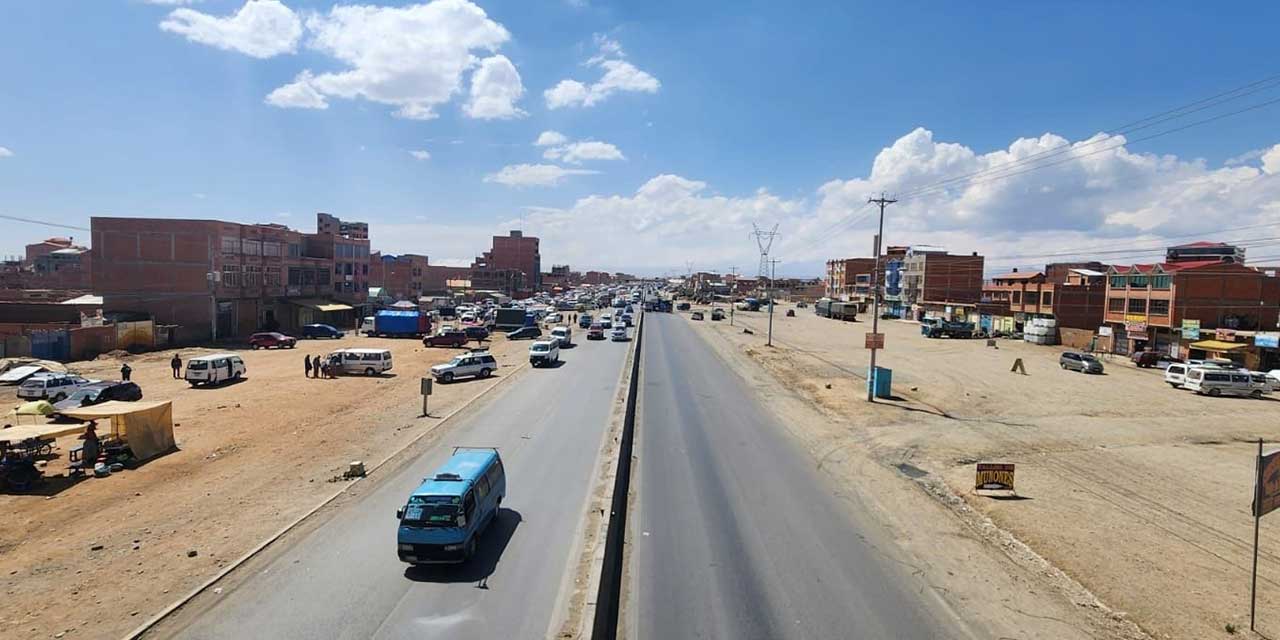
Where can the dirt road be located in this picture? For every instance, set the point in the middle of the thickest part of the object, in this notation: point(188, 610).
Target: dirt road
point(1137, 491)
point(94, 558)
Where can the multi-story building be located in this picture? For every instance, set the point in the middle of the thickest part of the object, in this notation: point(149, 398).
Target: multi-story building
point(517, 252)
point(440, 279)
point(850, 278)
point(222, 279)
point(1075, 297)
point(1198, 251)
point(45, 247)
point(1169, 307)
point(403, 276)
point(596, 277)
point(940, 284)
point(333, 226)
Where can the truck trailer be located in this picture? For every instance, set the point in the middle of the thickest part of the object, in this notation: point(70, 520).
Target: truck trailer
point(400, 324)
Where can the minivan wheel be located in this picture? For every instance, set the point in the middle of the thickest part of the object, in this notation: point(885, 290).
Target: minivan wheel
point(1215, 392)
point(446, 377)
point(1062, 364)
point(484, 373)
point(1257, 394)
point(369, 371)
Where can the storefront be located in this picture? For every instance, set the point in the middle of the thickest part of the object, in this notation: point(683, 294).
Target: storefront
point(1213, 349)
point(1267, 346)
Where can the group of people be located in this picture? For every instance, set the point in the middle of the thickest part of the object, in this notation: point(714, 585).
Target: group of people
point(318, 368)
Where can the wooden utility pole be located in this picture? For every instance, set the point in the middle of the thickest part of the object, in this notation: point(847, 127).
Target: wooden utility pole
point(875, 294)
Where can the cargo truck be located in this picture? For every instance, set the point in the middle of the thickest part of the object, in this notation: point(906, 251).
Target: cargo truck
point(400, 324)
point(511, 319)
point(933, 328)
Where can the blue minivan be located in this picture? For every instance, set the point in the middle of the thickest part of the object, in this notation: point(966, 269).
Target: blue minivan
point(449, 510)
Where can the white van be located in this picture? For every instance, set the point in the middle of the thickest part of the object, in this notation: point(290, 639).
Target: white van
point(215, 368)
point(370, 362)
point(1225, 382)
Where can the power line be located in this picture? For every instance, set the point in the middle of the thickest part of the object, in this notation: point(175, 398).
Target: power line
point(42, 222)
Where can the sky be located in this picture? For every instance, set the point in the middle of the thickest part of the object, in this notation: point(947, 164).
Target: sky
point(651, 136)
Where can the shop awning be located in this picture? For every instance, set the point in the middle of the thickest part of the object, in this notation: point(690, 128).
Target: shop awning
point(321, 305)
point(1218, 345)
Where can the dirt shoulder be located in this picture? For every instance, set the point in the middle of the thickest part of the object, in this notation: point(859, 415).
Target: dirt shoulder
point(96, 557)
point(1137, 492)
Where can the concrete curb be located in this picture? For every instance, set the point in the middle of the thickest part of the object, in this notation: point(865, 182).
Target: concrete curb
point(202, 587)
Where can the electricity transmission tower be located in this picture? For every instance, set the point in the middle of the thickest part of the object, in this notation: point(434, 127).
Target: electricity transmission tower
point(764, 240)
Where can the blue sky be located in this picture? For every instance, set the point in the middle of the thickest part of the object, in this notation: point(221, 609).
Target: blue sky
point(744, 111)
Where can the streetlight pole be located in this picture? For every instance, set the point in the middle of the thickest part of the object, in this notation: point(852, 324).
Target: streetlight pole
point(875, 297)
point(773, 271)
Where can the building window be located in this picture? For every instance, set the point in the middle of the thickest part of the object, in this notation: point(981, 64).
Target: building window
point(1137, 282)
point(1017, 297)
point(295, 276)
point(230, 245)
point(271, 249)
point(1115, 305)
point(1046, 298)
point(1118, 282)
point(347, 268)
point(1161, 282)
point(322, 276)
point(295, 250)
point(366, 268)
point(272, 276)
point(1137, 305)
point(252, 276)
point(337, 286)
point(230, 275)
point(252, 247)
point(1159, 307)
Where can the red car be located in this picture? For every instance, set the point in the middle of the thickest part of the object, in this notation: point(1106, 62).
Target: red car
point(447, 339)
point(269, 339)
point(595, 332)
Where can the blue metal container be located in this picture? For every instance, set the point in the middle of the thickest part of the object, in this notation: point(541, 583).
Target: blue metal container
point(880, 381)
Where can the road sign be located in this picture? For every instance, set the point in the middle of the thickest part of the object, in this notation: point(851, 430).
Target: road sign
point(874, 340)
point(1269, 484)
point(994, 476)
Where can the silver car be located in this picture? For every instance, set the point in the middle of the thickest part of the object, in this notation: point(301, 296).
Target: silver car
point(1081, 362)
point(477, 363)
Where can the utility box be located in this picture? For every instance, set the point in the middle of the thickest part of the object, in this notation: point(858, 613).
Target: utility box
point(880, 381)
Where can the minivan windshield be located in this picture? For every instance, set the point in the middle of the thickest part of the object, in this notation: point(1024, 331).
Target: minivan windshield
point(432, 511)
point(539, 347)
point(198, 365)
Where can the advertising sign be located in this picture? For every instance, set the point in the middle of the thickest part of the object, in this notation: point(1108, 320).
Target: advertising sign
point(874, 340)
point(1271, 340)
point(1191, 329)
point(1104, 330)
point(993, 476)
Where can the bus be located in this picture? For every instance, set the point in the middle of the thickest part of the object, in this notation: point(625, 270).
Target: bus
point(444, 516)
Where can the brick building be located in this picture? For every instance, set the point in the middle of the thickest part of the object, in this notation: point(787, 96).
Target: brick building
point(596, 277)
point(333, 226)
point(403, 276)
point(1075, 297)
point(940, 284)
point(850, 278)
point(513, 252)
point(1167, 307)
point(189, 272)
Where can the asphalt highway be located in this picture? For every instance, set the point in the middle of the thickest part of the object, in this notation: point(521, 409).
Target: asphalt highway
point(343, 579)
point(736, 534)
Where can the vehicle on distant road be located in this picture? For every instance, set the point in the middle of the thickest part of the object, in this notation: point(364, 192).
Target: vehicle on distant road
point(563, 335)
point(717, 314)
point(619, 334)
point(479, 364)
point(525, 333)
point(683, 306)
point(544, 352)
point(595, 332)
point(627, 320)
point(696, 315)
point(1082, 362)
point(451, 509)
point(214, 368)
point(369, 362)
point(269, 339)
point(1225, 382)
point(476, 332)
point(53, 387)
point(321, 331)
point(1149, 359)
point(945, 329)
point(450, 338)
point(400, 324)
point(584, 321)
point(97, 393)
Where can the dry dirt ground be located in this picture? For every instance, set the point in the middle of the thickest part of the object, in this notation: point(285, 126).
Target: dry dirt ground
point(1138, 491)
point(251, 457)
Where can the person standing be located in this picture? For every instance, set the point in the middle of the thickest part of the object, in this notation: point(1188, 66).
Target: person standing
point(89, 452)
point(306, 361)
point(315, 364)
point(176, 365)
point(125, 370)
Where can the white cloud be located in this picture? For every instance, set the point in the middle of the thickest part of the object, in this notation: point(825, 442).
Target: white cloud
point(420, 154)
point(299, 94)
point(575, 153)
point(1271, 160)
point(1101, 194)
point(495, 88)
point(534, 175)
point(171, 3)
point(1244, 158)
point(261, 28)
point(284, 214)
point(5, 152)
point(549, 138)
point(412, 58)
point(619, 75)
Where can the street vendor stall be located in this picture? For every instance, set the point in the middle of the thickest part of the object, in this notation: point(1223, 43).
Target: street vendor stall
point(146, 427)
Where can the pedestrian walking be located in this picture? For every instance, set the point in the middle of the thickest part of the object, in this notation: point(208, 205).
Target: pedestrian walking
point(176, 365)
point(125, 370)
point(306, 361)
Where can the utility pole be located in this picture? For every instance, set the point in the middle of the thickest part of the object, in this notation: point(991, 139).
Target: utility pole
point(732, 305)
point(773, 264)
point(875, 294)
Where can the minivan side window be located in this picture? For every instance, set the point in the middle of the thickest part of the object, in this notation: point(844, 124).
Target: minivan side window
point(482, 487)
point(469, 506)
